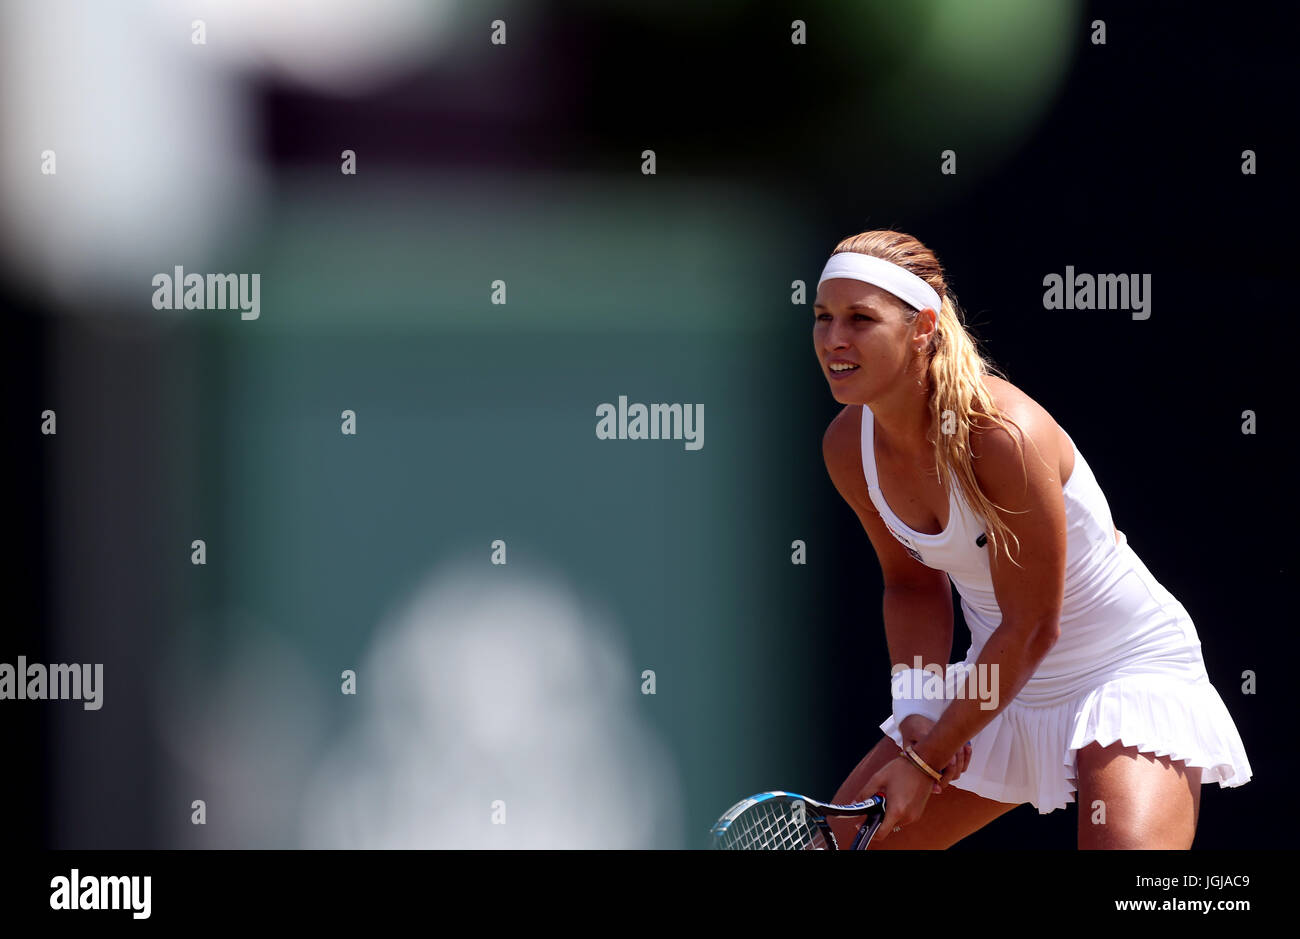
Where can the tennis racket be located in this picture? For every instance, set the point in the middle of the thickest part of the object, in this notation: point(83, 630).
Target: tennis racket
point(783, 821)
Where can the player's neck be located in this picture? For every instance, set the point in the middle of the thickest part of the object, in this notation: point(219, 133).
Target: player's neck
point(901, 422)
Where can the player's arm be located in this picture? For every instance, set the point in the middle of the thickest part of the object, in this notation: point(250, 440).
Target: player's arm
point(917, 599)
point(1030, 596)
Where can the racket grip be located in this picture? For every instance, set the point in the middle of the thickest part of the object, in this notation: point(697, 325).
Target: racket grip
point(869, 826)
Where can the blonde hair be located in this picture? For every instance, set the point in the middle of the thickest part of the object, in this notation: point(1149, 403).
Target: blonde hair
point(956, 369)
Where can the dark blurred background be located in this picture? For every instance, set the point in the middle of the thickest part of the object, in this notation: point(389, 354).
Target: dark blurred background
point(521, 162)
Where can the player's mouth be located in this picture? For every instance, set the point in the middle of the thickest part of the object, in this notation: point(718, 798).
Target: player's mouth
point(841, 370)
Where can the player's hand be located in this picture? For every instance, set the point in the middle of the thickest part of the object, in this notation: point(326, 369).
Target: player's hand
point(906, 790)
point(914, 729)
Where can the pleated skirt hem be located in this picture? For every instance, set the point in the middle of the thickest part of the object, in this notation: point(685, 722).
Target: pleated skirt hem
point(1030, 753)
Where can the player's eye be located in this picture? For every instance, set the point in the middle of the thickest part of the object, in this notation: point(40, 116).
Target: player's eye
point(826, 316)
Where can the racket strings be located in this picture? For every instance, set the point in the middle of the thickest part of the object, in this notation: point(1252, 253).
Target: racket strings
point(774, 826)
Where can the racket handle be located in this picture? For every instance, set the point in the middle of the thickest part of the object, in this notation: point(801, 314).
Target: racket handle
point(868, 829)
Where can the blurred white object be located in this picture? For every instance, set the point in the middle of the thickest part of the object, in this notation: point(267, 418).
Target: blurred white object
point(344, 47)
point(495, 686)
point(152, 134)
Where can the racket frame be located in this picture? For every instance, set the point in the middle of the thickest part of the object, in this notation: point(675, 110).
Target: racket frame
point(816, 813)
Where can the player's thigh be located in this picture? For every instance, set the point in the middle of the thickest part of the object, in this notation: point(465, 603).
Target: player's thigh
point(949, 816)
point(1129, 799)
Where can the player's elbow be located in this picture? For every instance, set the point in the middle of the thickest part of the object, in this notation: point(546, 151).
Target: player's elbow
point(1042, 637)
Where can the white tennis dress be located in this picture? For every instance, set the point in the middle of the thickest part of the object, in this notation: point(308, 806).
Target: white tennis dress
point(1127, 666)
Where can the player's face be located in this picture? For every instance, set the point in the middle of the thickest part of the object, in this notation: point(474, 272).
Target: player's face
point(859, 324)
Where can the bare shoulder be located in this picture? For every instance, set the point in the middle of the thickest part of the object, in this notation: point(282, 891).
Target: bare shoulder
point(842, 447)
point(1009, 398)
point(844, 427)
point(1034, 430)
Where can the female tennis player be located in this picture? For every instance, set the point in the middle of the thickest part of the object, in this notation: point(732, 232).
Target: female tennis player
point(1084, 675)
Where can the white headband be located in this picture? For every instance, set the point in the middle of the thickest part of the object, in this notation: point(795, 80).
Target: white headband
point(886, 275)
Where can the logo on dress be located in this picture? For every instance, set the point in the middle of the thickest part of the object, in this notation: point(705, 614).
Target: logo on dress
point(905, 543)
